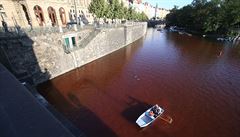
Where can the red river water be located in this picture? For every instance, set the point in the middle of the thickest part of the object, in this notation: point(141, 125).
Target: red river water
point(196, 82)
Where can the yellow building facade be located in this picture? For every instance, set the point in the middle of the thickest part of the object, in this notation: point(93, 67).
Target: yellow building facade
point(25, 13)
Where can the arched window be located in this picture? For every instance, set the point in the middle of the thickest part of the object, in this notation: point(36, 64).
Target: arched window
point(39, 15)
point(62, 15)
point(52, 16)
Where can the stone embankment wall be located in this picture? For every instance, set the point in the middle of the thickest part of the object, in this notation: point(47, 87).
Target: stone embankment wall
point(43, 57)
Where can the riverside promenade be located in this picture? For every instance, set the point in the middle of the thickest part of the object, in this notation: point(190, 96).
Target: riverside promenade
point(21, 115)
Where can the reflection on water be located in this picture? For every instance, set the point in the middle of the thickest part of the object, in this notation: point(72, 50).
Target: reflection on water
point(196, 81)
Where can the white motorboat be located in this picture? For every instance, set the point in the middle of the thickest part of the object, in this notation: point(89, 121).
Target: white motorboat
point(149, 116)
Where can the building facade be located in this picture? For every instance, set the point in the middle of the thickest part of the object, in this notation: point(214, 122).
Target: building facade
point(25, 13)
point(39, 13)
point(150, 10)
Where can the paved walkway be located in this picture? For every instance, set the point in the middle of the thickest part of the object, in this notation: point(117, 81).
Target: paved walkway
point(21, 115)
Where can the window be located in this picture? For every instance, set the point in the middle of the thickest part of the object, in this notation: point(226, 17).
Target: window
point(62, 15)
point(39, 15)
point(1, 7)
point(52, 16)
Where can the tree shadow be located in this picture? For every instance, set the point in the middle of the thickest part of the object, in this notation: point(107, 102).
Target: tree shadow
point(18, 56)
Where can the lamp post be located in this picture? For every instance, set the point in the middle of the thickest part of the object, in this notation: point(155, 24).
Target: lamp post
point(76, 17)
point(156, 11)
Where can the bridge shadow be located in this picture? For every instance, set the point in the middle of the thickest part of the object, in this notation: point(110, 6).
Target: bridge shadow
point(82, 118)
point(18, 56)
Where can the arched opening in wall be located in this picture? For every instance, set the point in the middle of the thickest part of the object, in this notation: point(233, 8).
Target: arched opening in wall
point(39, 15)
point(52, 16)
point(62, 15)
point(26, 14)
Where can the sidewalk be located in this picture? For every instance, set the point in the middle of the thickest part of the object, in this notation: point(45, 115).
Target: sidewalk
point(21, 115)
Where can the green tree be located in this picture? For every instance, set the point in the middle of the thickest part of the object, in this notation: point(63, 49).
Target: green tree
point(125, 11)
point(121, 11)
point(171, 18)
point(109, 11)
point(207, 16)
point(113, 9)
point(130, 13)
point(97, 7)
point(213, 22)
point(232, 12)
point(117, 9)
point(144, 17)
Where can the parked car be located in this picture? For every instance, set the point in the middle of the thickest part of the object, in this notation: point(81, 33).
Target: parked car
point(71, 24)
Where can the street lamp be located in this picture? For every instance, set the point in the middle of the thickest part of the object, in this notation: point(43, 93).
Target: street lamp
point(76, 17)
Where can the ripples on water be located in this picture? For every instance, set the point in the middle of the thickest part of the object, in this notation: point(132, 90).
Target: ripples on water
point(196, 81)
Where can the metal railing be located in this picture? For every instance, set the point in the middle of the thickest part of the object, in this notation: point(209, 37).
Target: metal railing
point(35, 31)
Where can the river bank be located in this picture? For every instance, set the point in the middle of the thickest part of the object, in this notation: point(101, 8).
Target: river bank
point(218, 37)
point(47, 56)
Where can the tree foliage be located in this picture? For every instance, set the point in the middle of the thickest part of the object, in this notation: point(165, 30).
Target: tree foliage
point(113, 9)
point(97, 7)
point(121, 11)
point(207, 16)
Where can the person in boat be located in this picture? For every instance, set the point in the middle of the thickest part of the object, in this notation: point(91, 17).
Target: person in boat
point(156, 110)
point(151, 113)
point(153, 110)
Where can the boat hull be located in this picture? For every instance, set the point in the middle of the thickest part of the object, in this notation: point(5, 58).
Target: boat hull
point(145, 119)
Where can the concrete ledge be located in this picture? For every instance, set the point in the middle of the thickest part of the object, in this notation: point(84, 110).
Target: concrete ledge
point(21, 115)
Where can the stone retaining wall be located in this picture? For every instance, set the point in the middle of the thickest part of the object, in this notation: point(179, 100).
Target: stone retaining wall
point(43, 57)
